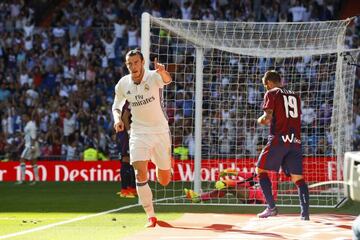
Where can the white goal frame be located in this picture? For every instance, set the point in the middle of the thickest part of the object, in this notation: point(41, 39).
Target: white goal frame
point(342, 134)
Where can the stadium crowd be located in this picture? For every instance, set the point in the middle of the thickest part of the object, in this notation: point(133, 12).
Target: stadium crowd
point(65, 74)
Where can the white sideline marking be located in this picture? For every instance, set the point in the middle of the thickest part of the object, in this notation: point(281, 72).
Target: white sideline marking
point(66, 222)
point(76, 219)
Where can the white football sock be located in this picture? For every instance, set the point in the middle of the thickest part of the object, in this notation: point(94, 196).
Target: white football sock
point(36, 172)
point(145, 197)
point(22, 171)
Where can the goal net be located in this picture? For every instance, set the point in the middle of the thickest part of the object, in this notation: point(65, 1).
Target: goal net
point(216, 97)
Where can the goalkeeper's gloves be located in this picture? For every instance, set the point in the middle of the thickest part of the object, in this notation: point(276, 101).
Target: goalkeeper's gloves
point(220, 185)
point(225, 183)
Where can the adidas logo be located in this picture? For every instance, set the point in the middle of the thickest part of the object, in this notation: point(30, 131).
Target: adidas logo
point(128, 92)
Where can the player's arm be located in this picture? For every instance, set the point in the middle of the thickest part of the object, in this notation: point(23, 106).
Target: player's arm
point(160, 69)
point(118, 104)
point(266, 118)
point(33, 139)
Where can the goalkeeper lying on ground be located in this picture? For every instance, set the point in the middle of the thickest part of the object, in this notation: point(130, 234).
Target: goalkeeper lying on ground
point(243, 186)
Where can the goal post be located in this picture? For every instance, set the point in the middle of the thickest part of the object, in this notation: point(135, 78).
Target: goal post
point(352, 175)
point(216, 94)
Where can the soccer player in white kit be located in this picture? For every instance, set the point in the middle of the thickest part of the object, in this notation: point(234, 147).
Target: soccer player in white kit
point(31, 151)
point(149, 134)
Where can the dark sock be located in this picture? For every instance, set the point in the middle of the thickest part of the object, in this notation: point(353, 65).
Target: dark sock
point(265, 184)
point(303, 196)
point(125, 175)
point(132, 183)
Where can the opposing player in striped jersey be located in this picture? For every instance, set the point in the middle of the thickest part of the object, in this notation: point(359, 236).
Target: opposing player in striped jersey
point(128, 184)
point(282, 112)
point(149, 132)
point(31, 151)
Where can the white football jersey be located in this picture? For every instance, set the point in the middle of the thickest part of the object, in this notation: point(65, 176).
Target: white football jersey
point(146, 102)
point(30, 133)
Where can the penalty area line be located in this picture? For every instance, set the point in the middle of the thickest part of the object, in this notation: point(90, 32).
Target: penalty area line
point(65, 222)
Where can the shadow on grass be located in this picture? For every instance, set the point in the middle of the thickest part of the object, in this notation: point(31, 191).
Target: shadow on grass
point(223, 228)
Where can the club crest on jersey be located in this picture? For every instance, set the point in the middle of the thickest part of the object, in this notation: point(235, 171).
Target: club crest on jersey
point(147, 88)
point(128, 92)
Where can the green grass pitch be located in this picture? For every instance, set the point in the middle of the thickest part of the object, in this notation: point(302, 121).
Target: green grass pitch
point(24, 207)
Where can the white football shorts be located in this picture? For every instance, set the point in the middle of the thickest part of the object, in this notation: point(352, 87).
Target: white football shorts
point(154, 147)
point(31, 154)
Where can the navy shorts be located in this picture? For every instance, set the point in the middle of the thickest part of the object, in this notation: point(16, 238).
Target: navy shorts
point(288, 156)
point(124, 143)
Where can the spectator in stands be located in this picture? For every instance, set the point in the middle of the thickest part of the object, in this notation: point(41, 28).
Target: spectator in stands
point(225, 142)
point(298, 12)
point(308, 114)
point(3, 147)
point(68, 126)
point(90, 154)
point(14, 146)
point(133, 36)
point(189, 142)
point(186, 9)
point(4, 92)
point(40, 67)
point(72, 150)
point(113, 148)
point(251, 138)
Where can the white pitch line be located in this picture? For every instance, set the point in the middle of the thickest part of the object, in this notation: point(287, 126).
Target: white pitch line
point(66, 222)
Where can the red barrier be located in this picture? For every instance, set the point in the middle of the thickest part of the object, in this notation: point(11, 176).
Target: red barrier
point(64, 171)
point(315, 169)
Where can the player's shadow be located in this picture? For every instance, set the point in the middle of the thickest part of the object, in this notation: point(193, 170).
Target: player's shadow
point(221, 228)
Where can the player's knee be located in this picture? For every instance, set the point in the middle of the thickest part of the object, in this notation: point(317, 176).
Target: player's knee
point(126, 159)
point(141, 176)
point(164, 181)
point(297, 179)
point(263, 175)
point(300, 182)
point(259, 171)
point(164, 177)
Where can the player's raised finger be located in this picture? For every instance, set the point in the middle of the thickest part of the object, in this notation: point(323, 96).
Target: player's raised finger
point(156, 63)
